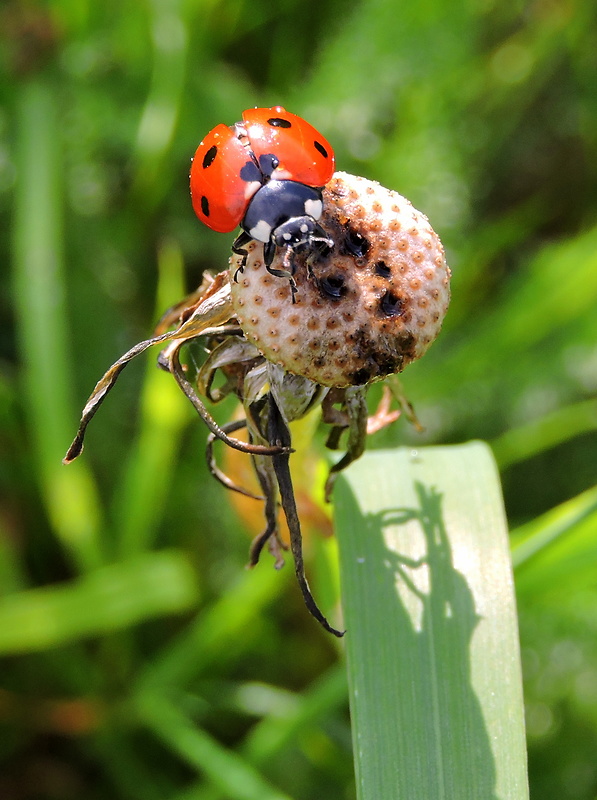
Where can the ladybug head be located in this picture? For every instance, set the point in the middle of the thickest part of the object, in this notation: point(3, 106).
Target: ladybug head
point(295, 232)
point(299, 232)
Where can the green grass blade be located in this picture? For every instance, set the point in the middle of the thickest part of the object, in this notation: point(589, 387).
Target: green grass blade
point(539, 435)
point(163, 414)
point(109, 599)
point(70, 495)
point(432, 639)
point(225, 768)
point(217, 633)
point(277, 732)
point(554, 554)
point(273, 733)
point(161, 110)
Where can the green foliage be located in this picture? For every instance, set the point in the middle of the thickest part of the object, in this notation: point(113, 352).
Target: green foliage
point(116, 680)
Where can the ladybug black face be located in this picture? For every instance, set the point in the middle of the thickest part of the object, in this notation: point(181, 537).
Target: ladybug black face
point(295, 232)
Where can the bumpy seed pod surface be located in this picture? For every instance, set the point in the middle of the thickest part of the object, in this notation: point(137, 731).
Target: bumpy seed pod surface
point(363, 310)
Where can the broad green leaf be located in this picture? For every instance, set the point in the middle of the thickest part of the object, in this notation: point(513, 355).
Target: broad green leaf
point(430, 615)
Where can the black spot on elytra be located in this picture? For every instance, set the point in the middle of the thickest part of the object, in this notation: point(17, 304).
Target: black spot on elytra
point(354, 243)
point(205, 206)
point(382, 269)
point(321, 149)
point(209, 157)
point(250, 172)
point(332, 286)
point(391, 305)
point(279, 122)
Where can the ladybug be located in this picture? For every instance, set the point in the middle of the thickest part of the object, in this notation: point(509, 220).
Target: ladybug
point(265, 174)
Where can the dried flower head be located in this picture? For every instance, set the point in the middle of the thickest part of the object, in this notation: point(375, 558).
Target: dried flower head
point(363, 309)
point(316, 326)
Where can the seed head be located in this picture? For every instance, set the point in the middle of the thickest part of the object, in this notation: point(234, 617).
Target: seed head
point(365, 308)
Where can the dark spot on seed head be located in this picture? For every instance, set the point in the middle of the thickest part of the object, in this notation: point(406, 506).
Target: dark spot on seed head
point(354, 243)
point(209, 157)
point(360, 376)
point(320, 148)
point(382, 269)
point(205, 206)
point(379, 361)
point(332, 286)
point(391, 305)
point(278, 122)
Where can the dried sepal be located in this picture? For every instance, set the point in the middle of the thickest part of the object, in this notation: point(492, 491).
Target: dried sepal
point(279, 434)
point(210, 311)
point(216, 472)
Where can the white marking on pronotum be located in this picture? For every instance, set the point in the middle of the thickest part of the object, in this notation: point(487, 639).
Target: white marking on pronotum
point(281, 174)
point(313, 208)
point(250, 188)
point(262, 231)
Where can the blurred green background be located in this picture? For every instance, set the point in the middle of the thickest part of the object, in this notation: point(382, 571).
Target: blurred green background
point(138, 658)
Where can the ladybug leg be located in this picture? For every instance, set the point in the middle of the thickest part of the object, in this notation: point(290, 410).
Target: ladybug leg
point(320, 236)
point(239, 249)
point(269, 251)
point(287, 262)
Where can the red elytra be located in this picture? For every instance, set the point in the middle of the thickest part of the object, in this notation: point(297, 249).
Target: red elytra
point(232, 163)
